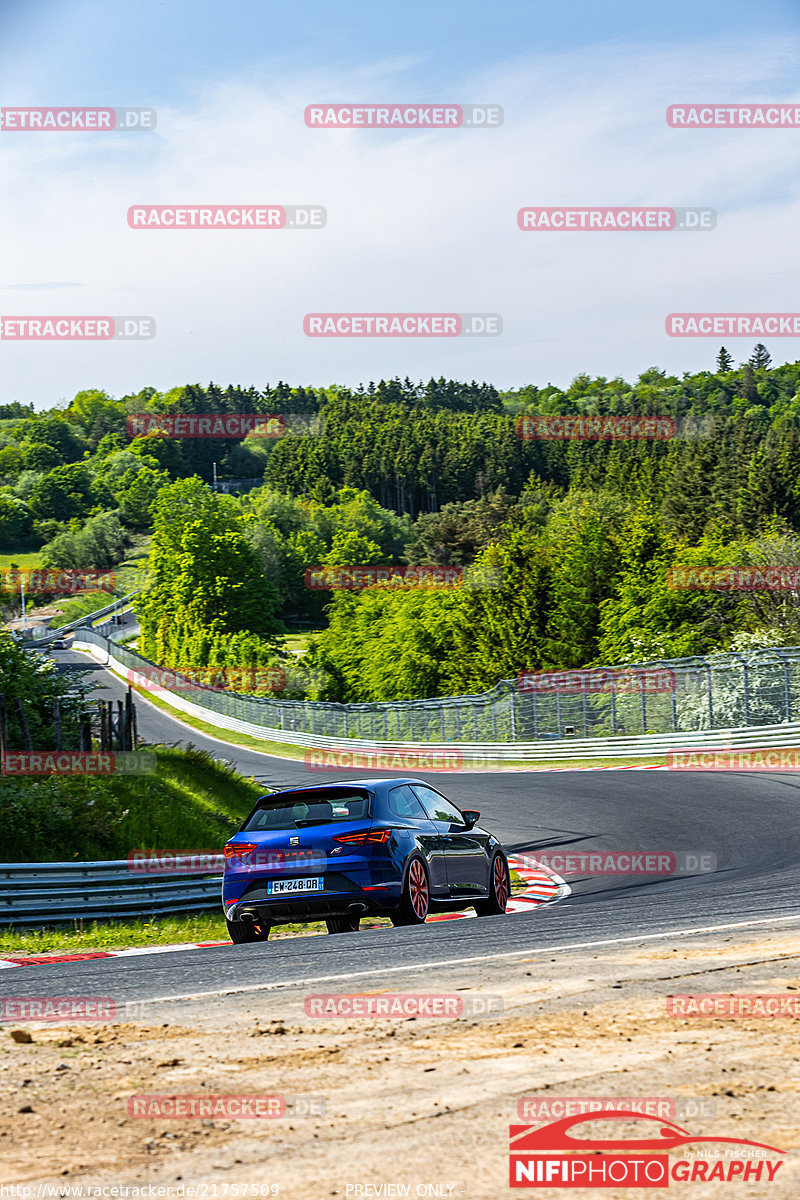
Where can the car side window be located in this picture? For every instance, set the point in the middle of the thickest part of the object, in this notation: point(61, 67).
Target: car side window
point(403, 803)
point(437, 808)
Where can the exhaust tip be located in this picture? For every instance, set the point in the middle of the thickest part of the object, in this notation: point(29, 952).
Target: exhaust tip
point(357, 908)
point(247, 916)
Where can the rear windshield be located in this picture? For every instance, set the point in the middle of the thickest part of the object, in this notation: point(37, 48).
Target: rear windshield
point(303, 809)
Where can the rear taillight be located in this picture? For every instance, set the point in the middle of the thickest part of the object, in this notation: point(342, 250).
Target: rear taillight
point(237, 849)
point(372, 837)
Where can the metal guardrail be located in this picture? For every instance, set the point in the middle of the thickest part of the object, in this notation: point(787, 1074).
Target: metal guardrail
point(50, 893)
point(88, 619)
point(252, 715)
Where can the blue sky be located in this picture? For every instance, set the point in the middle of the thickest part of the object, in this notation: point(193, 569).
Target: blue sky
point(171, 48)
point(416, 221)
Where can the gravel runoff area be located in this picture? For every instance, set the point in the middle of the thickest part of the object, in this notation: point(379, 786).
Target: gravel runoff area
point(394, 1106)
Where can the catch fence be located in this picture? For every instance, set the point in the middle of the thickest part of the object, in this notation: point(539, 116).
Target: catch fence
point(723, 691)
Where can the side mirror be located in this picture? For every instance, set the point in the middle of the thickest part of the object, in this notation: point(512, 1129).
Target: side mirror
point(470, 816)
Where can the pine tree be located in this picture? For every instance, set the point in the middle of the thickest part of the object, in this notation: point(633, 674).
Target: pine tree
point(749, 389)
point(724, 361)
point(760, 357)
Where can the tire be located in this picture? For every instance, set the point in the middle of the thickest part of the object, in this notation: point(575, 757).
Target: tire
point(416, 897)
point(499, 888)
point(343, 924)
point(247, 931)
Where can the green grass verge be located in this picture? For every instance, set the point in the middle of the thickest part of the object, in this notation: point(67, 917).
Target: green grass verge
point(81, 606)
point(296, 642)
point(158, 931)
point(191, 802)
point(31, 559)
point(122, 935)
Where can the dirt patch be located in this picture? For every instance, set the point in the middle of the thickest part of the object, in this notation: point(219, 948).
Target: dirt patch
point(423, 1103)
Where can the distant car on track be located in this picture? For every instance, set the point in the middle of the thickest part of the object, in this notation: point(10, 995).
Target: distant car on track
point(392, 848)
point(58, 644)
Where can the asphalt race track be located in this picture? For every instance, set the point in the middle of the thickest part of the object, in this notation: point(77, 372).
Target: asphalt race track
point(748, 820)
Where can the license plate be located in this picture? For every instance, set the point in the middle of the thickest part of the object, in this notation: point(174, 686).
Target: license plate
point(276, 886)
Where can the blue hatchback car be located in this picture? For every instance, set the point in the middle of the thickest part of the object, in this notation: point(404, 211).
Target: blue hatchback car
point(392, 848)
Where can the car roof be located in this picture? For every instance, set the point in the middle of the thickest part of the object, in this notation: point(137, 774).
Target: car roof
point(370, 784)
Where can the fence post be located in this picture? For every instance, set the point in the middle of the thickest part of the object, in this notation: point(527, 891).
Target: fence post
point(613, 708)
point(3, 727)
point(128, 720)
point(512, 711)
point(674, 703)
point(86, 731)
point(710, 698)
point(57, 722)
point(23, 724)
point(787, 687)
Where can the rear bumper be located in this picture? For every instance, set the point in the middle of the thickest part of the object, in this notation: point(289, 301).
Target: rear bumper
point(317, 907)
point(371, 892)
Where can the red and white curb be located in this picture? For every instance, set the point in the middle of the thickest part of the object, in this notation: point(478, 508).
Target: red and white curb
point(543, 887)
point(635, 767)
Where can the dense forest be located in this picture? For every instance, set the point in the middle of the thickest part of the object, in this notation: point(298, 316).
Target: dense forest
point(578, 535)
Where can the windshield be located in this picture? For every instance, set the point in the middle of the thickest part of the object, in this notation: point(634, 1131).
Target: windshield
point(299, 810)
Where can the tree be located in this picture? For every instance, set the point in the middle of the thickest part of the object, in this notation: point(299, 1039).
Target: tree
point(98, 542)
point(761, 357)
point(16, 522)
point(63, 493)
point(749, 387)
point(36, 681)
point(724, 361)
point(57, 432)
point(207, 587)
point(39, 456)
point(137, 492)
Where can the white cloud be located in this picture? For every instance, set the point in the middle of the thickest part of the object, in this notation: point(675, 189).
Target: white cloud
point(416, 221)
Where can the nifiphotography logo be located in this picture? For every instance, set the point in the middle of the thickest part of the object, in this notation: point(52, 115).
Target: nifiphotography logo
point(551, 1156)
